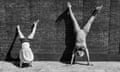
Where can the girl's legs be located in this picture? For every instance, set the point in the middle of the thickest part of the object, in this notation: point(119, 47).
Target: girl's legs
point(31, 36)
point(19, 32)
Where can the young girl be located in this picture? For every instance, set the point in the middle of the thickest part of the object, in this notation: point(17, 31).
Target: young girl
point(26, 54)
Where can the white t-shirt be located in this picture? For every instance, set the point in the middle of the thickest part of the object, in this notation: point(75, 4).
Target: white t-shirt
point(26, 54)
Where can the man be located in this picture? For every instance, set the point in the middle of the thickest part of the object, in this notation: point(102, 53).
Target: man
point(81, 34)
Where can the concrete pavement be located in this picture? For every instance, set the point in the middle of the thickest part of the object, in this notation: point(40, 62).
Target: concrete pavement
point(54, 66)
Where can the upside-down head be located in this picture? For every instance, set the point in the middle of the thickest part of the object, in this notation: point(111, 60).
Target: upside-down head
point(80, 53)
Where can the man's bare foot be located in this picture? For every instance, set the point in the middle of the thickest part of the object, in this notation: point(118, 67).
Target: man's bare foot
point(18, 26)
point(36, 22)
point(69, 4)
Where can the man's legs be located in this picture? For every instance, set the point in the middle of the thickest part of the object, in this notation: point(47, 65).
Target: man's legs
point(31, 36)
point(75, 23)
point(92, 18)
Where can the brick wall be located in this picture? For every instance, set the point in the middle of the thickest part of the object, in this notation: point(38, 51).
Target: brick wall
point(54, 36)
